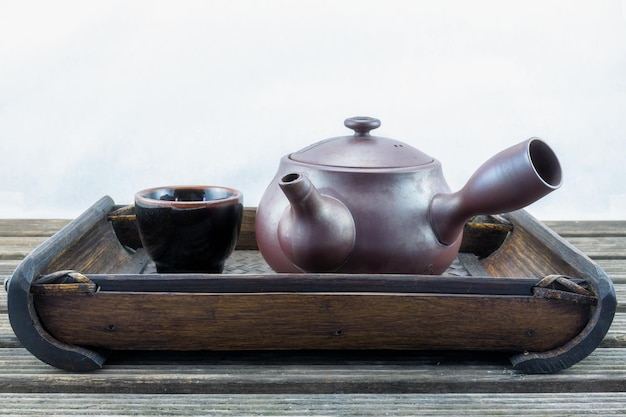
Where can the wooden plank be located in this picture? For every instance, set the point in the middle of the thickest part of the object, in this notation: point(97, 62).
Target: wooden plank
point(7, 337)
point(31, 227)
point(618, 279)
point(616, 336)
point(304, 372)
point(620, 292)
point(601, 248)
point(8, 266)
point(607, 228)
point(362, 405)
point(615, 268)
point(17, 247)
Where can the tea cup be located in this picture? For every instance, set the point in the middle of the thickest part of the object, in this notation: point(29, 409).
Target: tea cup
point(189, 229)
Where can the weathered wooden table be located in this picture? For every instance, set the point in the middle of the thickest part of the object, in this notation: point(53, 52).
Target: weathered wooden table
point(342, 383)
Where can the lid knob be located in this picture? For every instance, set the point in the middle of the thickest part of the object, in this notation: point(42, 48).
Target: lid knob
point(362, 125)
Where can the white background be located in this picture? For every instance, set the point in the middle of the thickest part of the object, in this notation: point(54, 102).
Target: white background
point(110, 97)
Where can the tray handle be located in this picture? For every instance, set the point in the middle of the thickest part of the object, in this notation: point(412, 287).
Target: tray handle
point(602, 313)
point(22, 313)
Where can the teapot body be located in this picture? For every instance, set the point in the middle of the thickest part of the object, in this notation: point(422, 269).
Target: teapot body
point(366, 204)
point(390, 210)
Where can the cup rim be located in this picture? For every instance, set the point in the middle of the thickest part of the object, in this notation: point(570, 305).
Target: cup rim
point(142, 196)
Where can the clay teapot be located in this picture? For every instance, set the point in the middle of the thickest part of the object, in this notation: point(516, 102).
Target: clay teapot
point(366, 204)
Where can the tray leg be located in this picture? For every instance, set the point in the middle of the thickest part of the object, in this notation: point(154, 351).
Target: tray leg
point(22, 313)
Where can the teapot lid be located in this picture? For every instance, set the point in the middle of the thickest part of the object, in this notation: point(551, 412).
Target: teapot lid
point(362, 150)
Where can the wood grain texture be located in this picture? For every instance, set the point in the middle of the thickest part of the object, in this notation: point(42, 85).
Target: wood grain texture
point(612, 248)
point(361, 405)
point(284, 321)
point(31, 227)
point(230, 373)
point(586, 228)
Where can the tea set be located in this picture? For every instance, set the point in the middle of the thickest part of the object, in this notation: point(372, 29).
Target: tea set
point(349, 204)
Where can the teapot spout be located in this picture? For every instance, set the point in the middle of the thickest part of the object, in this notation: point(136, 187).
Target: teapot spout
point(316, 232)
point(510, 180)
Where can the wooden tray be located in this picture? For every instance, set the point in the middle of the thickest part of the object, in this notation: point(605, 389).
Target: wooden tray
point(516, 287)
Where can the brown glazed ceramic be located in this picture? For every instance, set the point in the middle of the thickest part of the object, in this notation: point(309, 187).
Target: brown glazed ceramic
point(189, 228)
point(366, 204)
